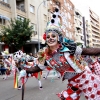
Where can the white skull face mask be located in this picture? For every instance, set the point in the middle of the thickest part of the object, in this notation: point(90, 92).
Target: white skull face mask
point(52, 39)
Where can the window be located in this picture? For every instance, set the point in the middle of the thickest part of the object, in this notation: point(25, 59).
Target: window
point(45, 25)
point(34, 26)
point(70, 35)
point(45, 17)
point(44, 3)
point(69, 6)
point(65, 3)
point(34, 29)
point(20, 17)
point(6, 1)
point(69, 15)
point(70, 25)
point(2, 21)
point(32, 9)
point(67, 33)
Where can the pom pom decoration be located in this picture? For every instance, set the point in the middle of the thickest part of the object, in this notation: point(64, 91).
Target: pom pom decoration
point(54, 23)
point(56, 10)
point(54, 16)
point(18, 54)
point(44, 36)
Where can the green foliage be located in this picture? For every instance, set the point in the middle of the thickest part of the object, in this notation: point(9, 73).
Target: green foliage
point(78, 43)
point(17, 33)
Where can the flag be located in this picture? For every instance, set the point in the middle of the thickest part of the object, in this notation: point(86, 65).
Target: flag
point(15, 80)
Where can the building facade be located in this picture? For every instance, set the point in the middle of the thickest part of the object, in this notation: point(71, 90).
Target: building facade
point(95, 28)
point(88, 35)
point(92, 28)
point(67, 14)
point(68, 21)
point(35, 10)
point(78, 20)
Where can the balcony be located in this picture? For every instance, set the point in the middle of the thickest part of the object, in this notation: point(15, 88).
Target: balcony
point(4, 4)
point(95, 37)
point(96, 45)
point(93, 18)
point(95, 29)
point(78, 24)
point(20, 8)
point(95, 25)
point(20, 5)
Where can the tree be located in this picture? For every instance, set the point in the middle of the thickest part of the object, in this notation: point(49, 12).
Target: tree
point(16, 33)
point(78, 43)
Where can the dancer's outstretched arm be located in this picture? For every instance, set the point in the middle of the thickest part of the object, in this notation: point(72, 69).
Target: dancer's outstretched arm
point(91, 51)
point(33, 69)
point(87, 51)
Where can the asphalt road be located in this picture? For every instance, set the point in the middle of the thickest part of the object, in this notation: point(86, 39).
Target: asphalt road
point(32, 92)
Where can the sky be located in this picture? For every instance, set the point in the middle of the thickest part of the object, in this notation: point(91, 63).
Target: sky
point(82, 5)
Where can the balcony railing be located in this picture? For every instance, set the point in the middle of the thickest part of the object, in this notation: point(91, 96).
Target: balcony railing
point(19, 8)
point(5, 4)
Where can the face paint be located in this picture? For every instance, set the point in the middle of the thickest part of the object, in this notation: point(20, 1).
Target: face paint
point(52, 39)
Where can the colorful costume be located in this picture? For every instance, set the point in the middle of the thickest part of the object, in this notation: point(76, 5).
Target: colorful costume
point(36, 75)
point(60, 54)
point(10, 66)
point(93, 64)
point(25, 64)
point(80, 80)
point(48, 69)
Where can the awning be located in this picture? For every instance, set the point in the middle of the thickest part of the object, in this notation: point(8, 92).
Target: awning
point(4, 17)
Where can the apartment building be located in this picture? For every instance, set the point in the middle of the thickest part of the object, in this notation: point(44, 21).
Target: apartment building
point(92, 27)
point(67, 13)
point(35, 10)
point(88, 35)
point(95, 28)
point(78, 20)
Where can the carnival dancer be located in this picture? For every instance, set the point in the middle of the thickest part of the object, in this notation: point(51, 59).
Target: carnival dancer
point(60, 55)
point(7, 68)
point(93, 64)
point(25, 64)
point(38, 74)
point(10, 66)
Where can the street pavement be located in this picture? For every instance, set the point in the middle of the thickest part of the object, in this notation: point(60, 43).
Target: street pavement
point(51, 86)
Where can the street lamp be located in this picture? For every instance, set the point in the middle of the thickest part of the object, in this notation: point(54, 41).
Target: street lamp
point(38, 23)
